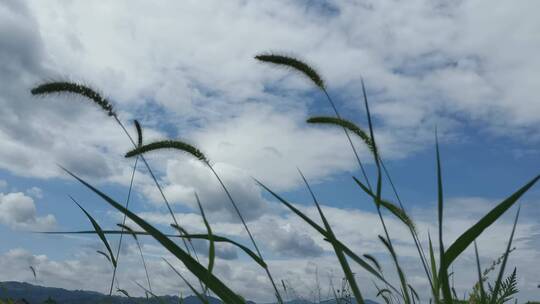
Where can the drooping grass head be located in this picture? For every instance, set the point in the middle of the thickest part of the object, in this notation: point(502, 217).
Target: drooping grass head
point(295, 64)
point(60, 87)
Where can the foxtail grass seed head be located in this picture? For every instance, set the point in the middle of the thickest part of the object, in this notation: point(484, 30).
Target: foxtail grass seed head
point(349, 125)
point(75, 88)
point(294, 64)
point(169, 144)
point(139, 132)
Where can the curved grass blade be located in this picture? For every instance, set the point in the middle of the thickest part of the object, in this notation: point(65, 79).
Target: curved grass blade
point(126, 228)
point(503, 265)
point(168, 144)
point(211, 247)
point(339, 253)
point(99, 232)
point(414, 293)
point(220, 289)
point(443, 272)
point(323, 232)
point(124, 292)
point(472, 233)
point(217, 239)
point(294, 64)
point(349, 125)
point(480, 279)
point(74, 88)
point(33, 272)
point(436, 285)
point(134, 235)
point(401, 276)
point(105, 255)
point(374, 261)
point(394, 209)
point(202, 298)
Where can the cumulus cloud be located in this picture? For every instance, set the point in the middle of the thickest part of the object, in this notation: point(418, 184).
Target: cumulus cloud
point(18, 211)
point(190, 74)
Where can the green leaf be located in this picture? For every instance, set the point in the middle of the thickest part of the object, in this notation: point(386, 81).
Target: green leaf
point(503, 265)
point(217, 239)
point(472, 233)
point(211, 247)
point(480, 279)
point(324, 233)
point(99, 232)
point(213, 283)
point(394, 209)
point(198, 294)
point(339, 253)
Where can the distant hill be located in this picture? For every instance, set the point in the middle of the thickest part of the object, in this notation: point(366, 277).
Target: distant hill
point(38, 294)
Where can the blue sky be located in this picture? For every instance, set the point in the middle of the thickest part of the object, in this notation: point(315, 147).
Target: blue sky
point(187, 71)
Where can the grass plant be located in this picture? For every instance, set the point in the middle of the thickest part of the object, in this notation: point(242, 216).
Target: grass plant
point(436, 265)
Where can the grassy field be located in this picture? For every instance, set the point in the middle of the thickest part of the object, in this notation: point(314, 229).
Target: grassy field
point(435, 260)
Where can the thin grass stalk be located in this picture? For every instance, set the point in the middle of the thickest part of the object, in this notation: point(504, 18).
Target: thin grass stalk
point(278, 295)
point(144, 264)
point(341, 257)
point(161, 192)
point(414, 233)
point(123, 223)
point(348, 138)
point(403, 280)
point(505, 259)
point(480, 278)
point(81, 90)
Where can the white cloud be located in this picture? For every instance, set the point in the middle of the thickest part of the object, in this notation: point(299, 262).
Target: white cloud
point(35, 192)
point(188, 72)
point(18, 211)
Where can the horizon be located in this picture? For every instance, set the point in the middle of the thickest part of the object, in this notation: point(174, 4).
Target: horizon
point(187, 71)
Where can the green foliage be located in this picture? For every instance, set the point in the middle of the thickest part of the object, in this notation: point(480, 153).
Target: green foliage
point(503, 290)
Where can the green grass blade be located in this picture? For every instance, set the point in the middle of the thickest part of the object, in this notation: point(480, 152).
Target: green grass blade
point(434, 272)
point(480, 279)
point(374, 261)
point(99, 232)
point(217, 239)
point(323, 232)
point(495, 294)
point(472, 233)
point(394, 209)
point(211, 247)
point(198, 294)
point(339, 253)
point(105, 255)
point(443, 273)
point(401, 275)
point(220, 289)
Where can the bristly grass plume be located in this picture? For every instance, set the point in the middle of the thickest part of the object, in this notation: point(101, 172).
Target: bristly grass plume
point(294, 64)
point(74, 88)
point(437, 275)
point(169, 144)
